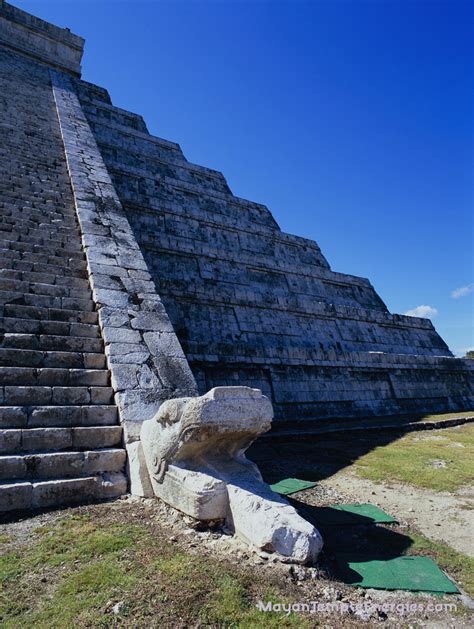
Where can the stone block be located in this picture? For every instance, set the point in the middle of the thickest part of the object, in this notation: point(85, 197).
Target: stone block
point(127, 353)
point(63, 491)
point(13, 417)
point(15, 496)
point(13, 467)
point(110, 485)
point(120, 335)
point(137, 471)
point(46, 439)
point(111, 298)
point(138, 405)
point(104, 460)
point(10, 440)
point(96, 437)
point(94, 361)
point(101, 395)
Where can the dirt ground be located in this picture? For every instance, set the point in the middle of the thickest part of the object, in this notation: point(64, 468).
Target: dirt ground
point(438, 515)
point(293, 589)
point(160, 569)
point(446, 516)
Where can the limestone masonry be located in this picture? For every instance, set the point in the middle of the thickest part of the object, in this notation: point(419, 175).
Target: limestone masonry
point(131, 276)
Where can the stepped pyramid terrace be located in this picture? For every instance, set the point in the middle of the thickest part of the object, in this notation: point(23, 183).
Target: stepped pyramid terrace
point(133, 281)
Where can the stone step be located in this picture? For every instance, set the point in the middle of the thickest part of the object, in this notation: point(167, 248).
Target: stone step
point(23, 205)
point(16, 263)
point(75, 438)
point(51, 342)
point(46, 233)
point(38, 288)
point(12, 357)
point(45, 278)
point(25, 220)
point(43, 465)
point(57, 416)
point(75, 252)
point(17, 495)
point(14, 325)
point(41, 238)
point(45, 301)
point(42, 258)
point(14, 395)
point(33, 217)
point(27, 376)
point(21, 311)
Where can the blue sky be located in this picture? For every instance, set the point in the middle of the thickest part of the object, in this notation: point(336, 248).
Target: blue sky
point(351, 120)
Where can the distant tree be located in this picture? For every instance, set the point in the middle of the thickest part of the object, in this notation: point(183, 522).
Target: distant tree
point(470, 354)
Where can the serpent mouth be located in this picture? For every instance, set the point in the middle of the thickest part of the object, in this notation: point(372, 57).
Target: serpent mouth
point(185, 432)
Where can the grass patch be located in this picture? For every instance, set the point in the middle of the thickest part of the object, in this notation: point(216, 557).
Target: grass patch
point(458, 565)
point(10, 567)
point(71, 573)
point(79, 539)
point(441, 416)
point(230, 607)
point(65, 574)
point(220, 595)
point(436, 459)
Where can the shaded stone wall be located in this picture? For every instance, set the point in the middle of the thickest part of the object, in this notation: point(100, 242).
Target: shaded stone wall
point(248, 303)
point(255, 306)
point(40, 40)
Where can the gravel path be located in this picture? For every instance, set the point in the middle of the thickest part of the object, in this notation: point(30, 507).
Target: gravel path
point(441, 516)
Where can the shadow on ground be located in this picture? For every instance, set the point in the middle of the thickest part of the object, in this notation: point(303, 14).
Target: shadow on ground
point(314, 457)
point(360, 538)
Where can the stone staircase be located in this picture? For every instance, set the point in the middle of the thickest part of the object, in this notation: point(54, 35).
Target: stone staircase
point(58, 420)
point(60, 441)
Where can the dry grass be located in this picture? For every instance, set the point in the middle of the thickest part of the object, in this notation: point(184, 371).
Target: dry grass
point(72, 572)
point(437, 459)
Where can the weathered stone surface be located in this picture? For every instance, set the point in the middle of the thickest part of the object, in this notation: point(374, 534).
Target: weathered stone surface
point(43, 40)
point(137, 471)
point(253, 305)
point(194, 451)
point(15, 496)
point(52, 377)
point(64, 491)
point(142, 349)
point(46, 439)
point(192, 288)
point(110, 485)
point(10, 440)
point(194, 492)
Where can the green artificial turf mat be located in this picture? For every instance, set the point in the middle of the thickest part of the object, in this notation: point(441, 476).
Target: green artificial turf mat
point(289, 486)
point(352, 514)
point(417, 574)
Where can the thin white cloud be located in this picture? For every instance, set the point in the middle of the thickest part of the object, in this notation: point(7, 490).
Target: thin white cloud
point(463, 291)
point(463, 351)
point(425, 312)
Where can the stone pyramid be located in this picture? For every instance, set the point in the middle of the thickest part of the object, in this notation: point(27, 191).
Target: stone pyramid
point(130, 276)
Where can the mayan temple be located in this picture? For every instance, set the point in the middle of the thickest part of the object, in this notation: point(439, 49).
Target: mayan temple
point(131, 276)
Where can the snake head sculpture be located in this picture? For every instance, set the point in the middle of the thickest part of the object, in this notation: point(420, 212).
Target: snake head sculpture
point(224, 422)
point(194, 450)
